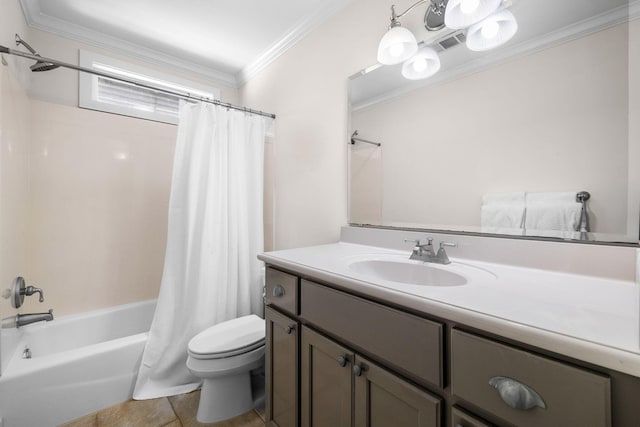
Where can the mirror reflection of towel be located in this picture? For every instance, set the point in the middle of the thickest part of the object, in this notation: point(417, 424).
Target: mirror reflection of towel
point(502, 215)
point(561, 216)
point(502, 211)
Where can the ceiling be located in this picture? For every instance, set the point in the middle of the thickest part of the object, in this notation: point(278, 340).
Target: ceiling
point(227, 40)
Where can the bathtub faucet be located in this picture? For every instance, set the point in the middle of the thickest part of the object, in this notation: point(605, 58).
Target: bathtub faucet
point(26, 319)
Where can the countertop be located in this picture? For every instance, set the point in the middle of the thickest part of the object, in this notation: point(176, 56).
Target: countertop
point(596, 320)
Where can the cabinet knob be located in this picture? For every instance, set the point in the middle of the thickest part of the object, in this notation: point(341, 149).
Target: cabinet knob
point(278, 291)
point(289, 328)
point(342, 361)
point(357, 370)
point(517, 395)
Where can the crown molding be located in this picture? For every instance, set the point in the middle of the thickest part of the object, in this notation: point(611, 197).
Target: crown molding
point(36, 19)
point(295, 34)
point(575, 31)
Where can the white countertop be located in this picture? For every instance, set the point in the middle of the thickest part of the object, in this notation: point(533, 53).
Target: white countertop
point(593, 319)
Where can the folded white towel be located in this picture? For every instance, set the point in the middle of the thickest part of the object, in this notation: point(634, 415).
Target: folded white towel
point(562, 216)
point(502, 215)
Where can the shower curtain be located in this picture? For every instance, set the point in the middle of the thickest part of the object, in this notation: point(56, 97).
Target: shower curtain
point(211, 273)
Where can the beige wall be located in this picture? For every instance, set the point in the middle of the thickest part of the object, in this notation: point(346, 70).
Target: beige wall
point(634, 125)
point(555, 120)
point(307, 88)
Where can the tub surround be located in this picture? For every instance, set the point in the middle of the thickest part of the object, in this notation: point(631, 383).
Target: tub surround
point(592, 318)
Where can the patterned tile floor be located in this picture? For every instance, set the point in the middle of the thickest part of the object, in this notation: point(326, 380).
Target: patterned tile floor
point(174, 411)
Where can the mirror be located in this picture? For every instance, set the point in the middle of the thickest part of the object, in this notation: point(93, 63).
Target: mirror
point(544, 116)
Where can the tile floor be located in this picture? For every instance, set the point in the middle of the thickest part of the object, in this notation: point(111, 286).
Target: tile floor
point(173, 411)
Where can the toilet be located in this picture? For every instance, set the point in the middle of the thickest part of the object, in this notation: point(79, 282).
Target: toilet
point(229, 357)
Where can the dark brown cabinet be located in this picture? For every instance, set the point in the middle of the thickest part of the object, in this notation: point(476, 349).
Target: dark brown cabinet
point(281, 369)
point(326, 382)
point(384, 399)
point(341, 389)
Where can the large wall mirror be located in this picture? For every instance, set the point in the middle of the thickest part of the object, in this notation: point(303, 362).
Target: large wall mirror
point(554, 112)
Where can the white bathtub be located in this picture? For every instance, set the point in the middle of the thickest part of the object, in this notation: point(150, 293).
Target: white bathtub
point(79, 364)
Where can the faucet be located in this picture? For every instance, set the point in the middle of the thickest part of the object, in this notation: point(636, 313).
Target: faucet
point(426, 253)
point(26, 319)
point(30, 290)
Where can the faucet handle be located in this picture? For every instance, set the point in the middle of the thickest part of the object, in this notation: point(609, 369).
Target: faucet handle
point(30, 290)
point(449, 244)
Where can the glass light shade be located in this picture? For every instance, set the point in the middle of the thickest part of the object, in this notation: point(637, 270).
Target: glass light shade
point(397, 45)
point(494, 31)
point(463, 13)
point(423, 64)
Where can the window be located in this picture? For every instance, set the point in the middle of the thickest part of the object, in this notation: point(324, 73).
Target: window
point(114, 96)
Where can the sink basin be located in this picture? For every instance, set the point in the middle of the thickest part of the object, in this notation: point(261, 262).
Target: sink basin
point(414, 273)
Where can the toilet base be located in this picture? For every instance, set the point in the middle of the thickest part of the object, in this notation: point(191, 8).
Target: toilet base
point(225, 397)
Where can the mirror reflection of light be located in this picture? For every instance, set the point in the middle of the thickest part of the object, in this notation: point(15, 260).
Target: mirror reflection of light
point(396, 50)
point(121, 155)
point(9, 148)
point(490, 29)
point(420, 65)
point(469, 6)
point(45, 152)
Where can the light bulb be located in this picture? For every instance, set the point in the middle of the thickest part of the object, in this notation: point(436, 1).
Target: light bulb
point(396, 50)
point(490, 29)
point(469, 6)
point(419, 65)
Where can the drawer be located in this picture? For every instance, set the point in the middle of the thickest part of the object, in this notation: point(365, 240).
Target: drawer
point(410, 344)
point(483, 374)
point(282, 290)
point(460, 418)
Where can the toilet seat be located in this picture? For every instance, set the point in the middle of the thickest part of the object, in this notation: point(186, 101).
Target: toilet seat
point(230, 338)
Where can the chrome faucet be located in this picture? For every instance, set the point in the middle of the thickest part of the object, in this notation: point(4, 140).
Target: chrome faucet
point(27, 319)
point(426, 253)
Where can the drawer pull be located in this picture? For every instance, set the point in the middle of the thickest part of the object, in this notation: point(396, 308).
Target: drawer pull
point(516, 394)
point(289, 328)
point(357, 370)
point(278, 291)
point(342, 361)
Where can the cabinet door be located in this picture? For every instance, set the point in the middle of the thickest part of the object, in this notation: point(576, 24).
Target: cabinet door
point(382, 399)
point(327, 386)
point(281, 369)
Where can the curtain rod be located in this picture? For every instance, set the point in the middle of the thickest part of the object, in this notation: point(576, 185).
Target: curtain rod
point(4, 49)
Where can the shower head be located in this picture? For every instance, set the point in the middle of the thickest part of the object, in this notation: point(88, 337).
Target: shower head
point(39, 65)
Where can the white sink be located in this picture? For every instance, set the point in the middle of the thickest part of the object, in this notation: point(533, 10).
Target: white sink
point(409, 272)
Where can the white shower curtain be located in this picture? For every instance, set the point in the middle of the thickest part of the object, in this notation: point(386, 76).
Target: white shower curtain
point(211, 273)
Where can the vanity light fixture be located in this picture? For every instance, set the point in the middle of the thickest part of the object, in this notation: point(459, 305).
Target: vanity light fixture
point(464, 13)
point(489, 25)
point(423, 64)
point(493, 31)
point(398, 44)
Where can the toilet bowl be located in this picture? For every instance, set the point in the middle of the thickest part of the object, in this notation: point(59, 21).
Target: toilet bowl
point(225, 356)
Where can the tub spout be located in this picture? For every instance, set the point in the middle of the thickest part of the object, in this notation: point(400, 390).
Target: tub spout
point(26, 319)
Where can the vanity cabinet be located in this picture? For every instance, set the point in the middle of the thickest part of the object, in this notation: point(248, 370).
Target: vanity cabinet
point(341, 388)
point(283, 341)
point(526, 389)
point(339, 359)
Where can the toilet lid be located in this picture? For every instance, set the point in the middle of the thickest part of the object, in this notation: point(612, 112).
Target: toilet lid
point(229, 338)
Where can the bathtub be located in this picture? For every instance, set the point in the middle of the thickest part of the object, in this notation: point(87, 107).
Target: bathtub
point(79, 364)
